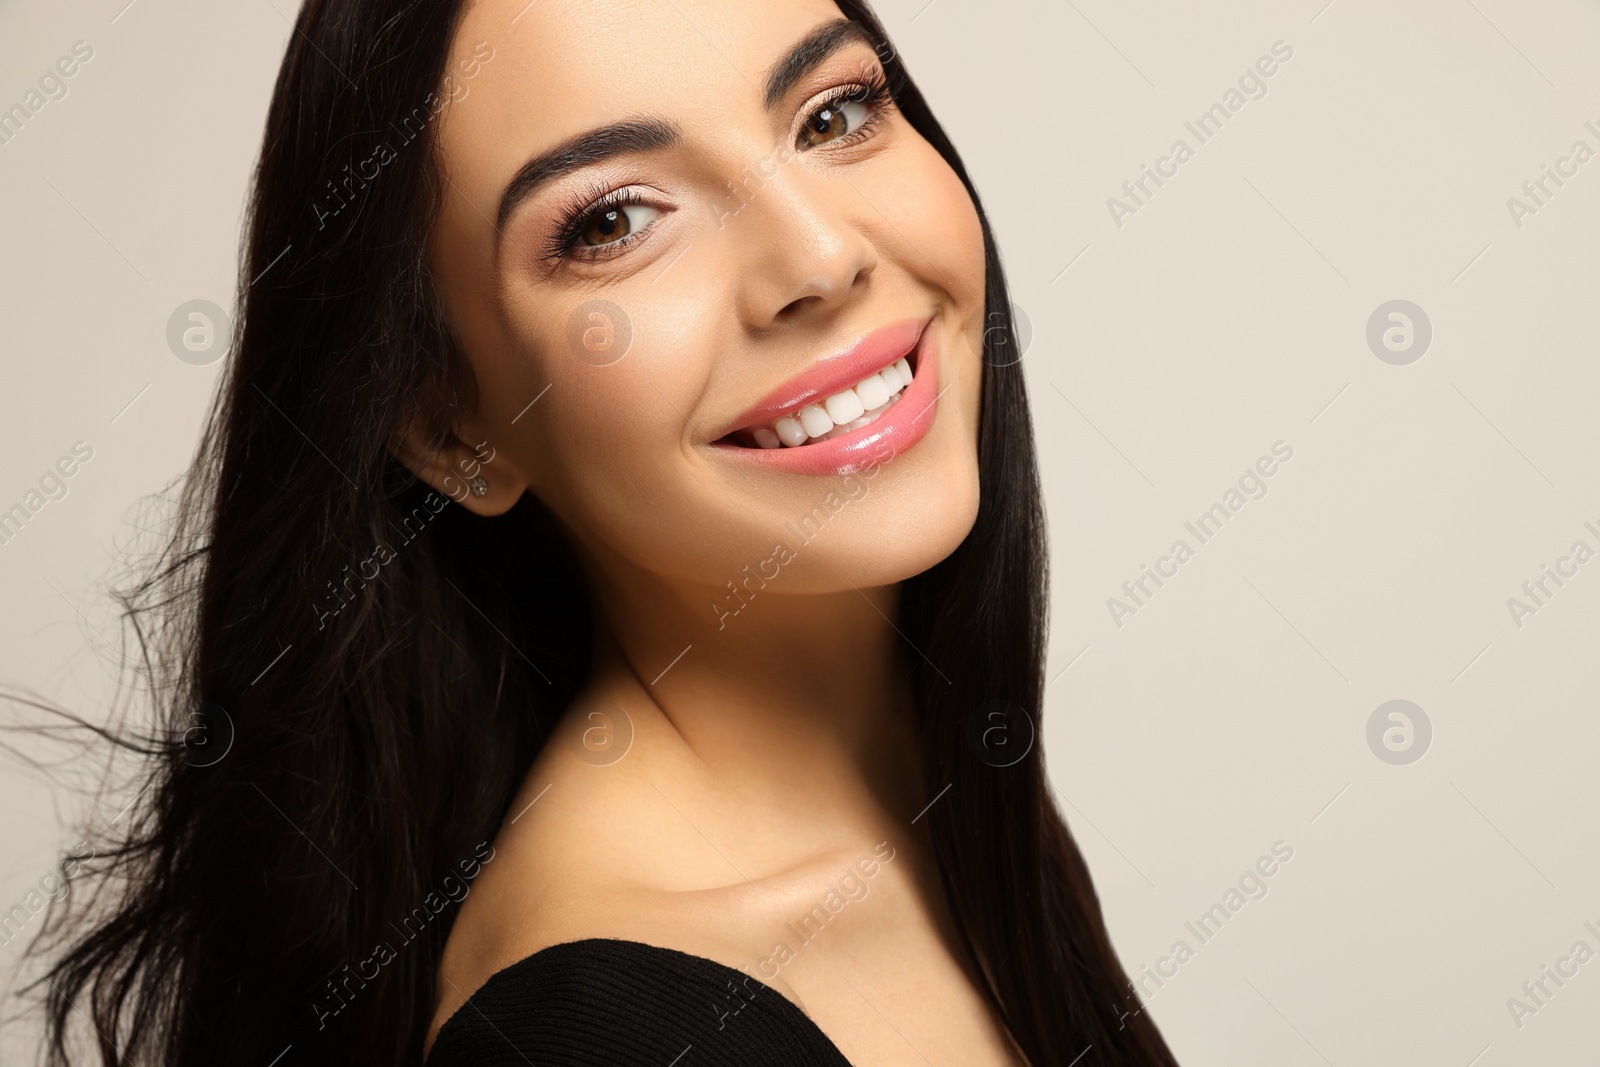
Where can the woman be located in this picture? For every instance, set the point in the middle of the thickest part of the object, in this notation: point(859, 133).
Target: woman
point(616, 562)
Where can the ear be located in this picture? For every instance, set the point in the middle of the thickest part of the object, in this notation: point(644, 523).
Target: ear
point(452, 468)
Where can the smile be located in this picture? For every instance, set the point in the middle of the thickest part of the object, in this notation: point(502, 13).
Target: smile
point(847, 411)
point(839, 414)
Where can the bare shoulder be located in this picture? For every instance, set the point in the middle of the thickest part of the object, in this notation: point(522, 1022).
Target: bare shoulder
point(618, 832)
point(591, 847)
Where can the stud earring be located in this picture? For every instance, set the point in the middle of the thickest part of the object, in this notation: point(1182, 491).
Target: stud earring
point(479, 485)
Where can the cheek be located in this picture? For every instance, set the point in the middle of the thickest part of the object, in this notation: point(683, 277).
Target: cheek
point(931, 500)
point(577, 385)
point(606, 446)
point(937, 238)
point(936, 222)
point(958, 239)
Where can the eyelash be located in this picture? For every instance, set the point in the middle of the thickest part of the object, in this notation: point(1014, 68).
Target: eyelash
point(870, 87)
point(594, 200)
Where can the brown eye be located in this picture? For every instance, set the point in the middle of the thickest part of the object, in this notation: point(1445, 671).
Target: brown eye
point(603, 227)
point(835, 119)
point(611, 225)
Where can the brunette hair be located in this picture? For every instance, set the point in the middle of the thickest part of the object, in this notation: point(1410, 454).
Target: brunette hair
point(380, 726)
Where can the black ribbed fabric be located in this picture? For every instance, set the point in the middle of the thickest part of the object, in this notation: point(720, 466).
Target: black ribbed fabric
point(601, 1002)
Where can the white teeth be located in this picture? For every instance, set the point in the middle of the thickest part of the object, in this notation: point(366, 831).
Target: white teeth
point(865, 420)
point(873, 392)
point(841, 413)
point(789, 430)
point(844, 407)
point(816, 421)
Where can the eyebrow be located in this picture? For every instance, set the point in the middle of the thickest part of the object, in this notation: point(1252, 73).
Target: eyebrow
point(649, 134)
point(584, 150)
point(812, 51)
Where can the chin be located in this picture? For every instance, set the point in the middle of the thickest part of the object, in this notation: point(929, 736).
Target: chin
point(901, 522)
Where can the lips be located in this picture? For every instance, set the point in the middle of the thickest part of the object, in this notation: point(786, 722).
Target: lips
point(831, 416)
point(878, 393)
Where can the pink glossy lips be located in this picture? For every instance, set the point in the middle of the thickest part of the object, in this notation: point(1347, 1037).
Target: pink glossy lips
point(846, 408)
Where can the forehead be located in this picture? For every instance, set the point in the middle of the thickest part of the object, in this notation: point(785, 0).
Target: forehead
point(561, 67)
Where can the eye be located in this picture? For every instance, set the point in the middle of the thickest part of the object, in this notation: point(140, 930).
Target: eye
point(613, 224)
point(845, 114)
point(597, 225)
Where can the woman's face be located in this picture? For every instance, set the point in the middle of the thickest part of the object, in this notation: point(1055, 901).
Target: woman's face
point(691, 372)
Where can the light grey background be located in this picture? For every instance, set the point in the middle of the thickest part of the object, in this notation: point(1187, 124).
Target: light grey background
point(1227, 313)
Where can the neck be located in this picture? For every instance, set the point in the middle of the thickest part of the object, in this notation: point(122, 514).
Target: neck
point(801, 697)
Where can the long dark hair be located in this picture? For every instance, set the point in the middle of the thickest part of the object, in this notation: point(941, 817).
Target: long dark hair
point(380, 706)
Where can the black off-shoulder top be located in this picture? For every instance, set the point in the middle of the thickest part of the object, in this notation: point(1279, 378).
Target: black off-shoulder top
point(599, 1002)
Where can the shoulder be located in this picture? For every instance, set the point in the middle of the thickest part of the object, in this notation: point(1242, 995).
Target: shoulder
point(628, 844)
point(606, 1001)
point(586, 855)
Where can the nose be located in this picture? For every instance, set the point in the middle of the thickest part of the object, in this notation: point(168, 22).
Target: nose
point(801, 249)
